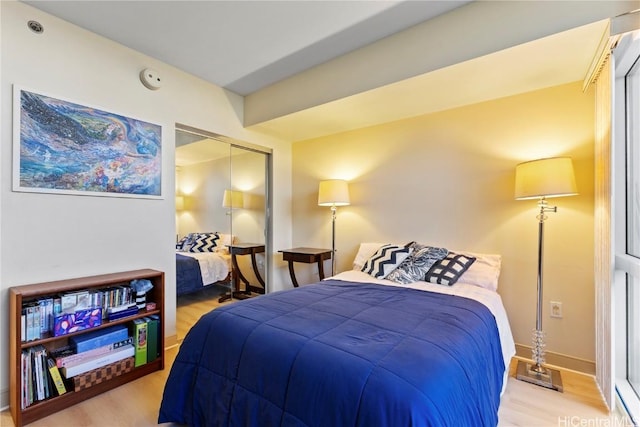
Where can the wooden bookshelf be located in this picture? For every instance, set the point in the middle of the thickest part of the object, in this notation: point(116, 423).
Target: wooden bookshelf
point(18, 295)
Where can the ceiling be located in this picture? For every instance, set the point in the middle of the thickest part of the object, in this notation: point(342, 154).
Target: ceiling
point(245, 46)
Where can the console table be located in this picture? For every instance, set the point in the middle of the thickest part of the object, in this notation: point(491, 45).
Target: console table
point(244, 249)
point(308, 256)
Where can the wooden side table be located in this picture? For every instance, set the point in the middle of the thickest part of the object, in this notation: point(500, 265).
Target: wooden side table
point(244, 249)
point(308, 256)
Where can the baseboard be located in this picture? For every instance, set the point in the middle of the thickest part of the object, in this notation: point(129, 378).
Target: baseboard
point(171, 341)
point(560, 360)
point(4, 400)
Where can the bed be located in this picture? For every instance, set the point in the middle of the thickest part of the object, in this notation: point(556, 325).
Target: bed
point(202, 259)
point(194, 271)
point(350, 350)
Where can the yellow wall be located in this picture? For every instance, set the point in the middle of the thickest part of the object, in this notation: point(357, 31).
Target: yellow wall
point(447, 179)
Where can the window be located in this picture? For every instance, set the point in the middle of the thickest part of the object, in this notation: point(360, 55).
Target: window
point(626, 209)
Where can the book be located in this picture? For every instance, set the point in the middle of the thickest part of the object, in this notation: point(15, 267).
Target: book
point(45, 376)
point(64, 358)
point(46, 315)
point(55, 376)
point(98, 338)
point(35, 380)
point(25, 379)
point(98, 361)
point(57, 306)
point(37, 372)
point(119, 308)
point(131, 311)
point(23, 326)
point(32, 313)
point(153, 323)
point(140, 341)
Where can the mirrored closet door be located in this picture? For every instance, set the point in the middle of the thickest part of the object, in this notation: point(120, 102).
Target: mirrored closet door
point(222, 222)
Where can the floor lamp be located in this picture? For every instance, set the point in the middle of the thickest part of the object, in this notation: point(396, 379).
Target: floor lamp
point(541, 179)
point(333, 192)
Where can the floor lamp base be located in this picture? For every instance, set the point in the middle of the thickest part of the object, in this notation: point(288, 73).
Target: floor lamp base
point(550, 378)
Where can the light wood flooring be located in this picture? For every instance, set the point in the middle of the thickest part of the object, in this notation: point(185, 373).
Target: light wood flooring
point(523, 404)
point(191, 307)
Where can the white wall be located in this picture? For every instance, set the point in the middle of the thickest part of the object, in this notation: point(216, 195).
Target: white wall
point(49, 237)
point(203, 186)
point(447, 179)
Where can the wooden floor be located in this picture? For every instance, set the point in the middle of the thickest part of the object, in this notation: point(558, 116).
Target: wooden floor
point(191, 307)
point(523, 404)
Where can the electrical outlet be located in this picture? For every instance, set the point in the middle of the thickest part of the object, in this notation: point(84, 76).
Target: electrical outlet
point(556, 309)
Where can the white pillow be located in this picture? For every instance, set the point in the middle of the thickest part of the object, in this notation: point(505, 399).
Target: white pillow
point(225, 240)
point(364, 253)
point(484, 272)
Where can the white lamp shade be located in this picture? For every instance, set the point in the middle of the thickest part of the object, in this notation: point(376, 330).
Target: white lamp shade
point(179, 203)
point(233, 199)
point(333, 192)
point(552, 177)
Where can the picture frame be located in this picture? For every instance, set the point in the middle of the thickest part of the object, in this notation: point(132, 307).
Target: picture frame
point(64, 147)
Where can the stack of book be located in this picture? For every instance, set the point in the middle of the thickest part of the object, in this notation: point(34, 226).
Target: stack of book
point(146, 339)
point(94, 349)
point(116, 298)
point(40, 377)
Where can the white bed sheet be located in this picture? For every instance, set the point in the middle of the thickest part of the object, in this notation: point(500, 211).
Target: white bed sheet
point(214, 266)
point(488, 298)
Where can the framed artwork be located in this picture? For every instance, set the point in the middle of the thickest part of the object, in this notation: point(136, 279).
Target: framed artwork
point(63, 147)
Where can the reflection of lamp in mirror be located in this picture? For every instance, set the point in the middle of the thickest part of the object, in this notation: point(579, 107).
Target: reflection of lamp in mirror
point(540, 179)
point(333, 192)
point(232, 200)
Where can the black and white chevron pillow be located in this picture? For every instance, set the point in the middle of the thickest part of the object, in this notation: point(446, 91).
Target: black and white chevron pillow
point(385, 260)
point(205, 242)
point(448, 271)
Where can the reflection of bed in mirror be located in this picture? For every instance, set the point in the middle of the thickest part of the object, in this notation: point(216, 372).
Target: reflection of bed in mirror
point(202, 260)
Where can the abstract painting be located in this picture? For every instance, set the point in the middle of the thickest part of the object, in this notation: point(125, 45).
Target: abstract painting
point(64, 147)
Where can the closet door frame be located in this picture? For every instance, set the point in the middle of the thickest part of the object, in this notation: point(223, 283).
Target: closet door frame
point(268, 153)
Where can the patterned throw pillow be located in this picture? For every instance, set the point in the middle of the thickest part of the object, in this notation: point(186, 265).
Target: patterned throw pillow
point(385, 260)
point(417, 264)
point(205, 242)
point(449, 270)
point(186, 242)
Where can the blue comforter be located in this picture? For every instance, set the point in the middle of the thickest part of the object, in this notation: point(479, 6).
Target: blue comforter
point(339, 354)
point(188, 275)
